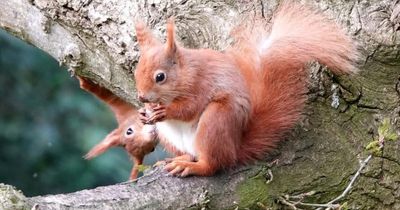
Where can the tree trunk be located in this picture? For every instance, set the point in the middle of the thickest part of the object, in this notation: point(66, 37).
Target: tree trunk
point(96, 39)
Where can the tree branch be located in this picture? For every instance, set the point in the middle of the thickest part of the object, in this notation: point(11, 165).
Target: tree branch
point(155, 190)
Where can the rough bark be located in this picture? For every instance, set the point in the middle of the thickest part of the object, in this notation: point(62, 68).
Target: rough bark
point(96, 38)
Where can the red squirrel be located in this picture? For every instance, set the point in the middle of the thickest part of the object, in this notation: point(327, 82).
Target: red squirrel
point(220, 109)
point(137, 139)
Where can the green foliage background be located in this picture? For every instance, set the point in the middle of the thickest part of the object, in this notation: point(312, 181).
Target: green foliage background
point(47, 124)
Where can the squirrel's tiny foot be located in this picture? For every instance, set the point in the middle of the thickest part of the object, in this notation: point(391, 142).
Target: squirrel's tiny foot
point(184, 168)
point(179, 168)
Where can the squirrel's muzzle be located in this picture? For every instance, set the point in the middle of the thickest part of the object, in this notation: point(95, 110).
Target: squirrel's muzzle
point(143, 99)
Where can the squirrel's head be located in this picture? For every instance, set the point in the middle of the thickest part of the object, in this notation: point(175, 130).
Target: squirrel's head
point(157, 73)
point(137, 138)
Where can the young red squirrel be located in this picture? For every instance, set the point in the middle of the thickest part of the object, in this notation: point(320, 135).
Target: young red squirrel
point(137, 139)
point(220, 109)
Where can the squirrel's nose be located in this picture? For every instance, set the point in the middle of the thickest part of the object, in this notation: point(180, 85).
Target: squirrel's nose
point(142, 98)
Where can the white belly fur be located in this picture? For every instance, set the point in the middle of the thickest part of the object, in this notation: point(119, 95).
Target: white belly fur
point(180, 134)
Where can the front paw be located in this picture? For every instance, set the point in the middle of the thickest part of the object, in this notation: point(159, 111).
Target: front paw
point(159, 114)
point(143, 116)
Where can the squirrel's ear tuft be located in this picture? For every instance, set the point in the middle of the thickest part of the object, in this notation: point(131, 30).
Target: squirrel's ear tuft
point(170, 44)
point(144, 36)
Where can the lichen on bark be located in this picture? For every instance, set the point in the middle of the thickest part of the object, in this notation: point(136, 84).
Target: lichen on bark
point(11, 198)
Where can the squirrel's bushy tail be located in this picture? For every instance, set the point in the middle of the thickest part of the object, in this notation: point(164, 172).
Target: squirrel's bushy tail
point(276, 72)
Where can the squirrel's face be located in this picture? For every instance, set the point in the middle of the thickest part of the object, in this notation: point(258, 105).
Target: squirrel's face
point(157, 73)
point(156, 76)
point(139, 139)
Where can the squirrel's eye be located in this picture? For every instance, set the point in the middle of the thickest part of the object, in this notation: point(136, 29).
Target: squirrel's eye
point(160, 77)
point(129, 132)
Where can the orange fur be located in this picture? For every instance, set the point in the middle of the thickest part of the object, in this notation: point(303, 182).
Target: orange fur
point(138, 144)
point(298, 35)
point(240, 102)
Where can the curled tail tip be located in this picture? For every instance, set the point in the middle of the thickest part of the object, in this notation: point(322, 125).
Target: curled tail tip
point(350, 70)
point(349, 64)
point(302, 33)
point(357, 59)
point(353, 68)
point(346, 67)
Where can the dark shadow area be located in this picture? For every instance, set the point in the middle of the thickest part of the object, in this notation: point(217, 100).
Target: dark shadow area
point(47, 124)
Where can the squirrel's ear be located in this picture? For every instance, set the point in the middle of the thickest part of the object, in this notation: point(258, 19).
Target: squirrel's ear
point(170, 44)
point(144, 36)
